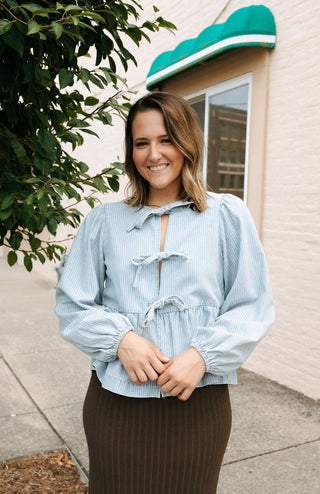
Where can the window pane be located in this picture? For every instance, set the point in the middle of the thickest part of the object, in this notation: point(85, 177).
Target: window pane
point(198, 107)
point(227, 140)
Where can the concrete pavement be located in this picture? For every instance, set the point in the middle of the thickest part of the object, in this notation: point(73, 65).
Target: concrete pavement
point(275, 442)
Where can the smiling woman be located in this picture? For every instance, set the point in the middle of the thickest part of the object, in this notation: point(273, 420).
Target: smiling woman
point(157, 413)
point(156, 158)
point(165, 125)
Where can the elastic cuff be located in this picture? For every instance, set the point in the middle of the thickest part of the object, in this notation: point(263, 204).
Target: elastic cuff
point(122, 333)
point(203, 354)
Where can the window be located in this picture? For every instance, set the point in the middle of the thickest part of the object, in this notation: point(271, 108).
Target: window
point(246, 70)
point(223, 115)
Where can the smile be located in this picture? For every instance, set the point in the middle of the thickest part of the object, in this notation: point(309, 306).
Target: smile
point(158, 167)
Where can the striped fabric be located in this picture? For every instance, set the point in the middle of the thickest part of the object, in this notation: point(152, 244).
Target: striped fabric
point(152, 446)
point(214, 292)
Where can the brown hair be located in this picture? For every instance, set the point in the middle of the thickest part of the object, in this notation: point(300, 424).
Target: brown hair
point(184, 132)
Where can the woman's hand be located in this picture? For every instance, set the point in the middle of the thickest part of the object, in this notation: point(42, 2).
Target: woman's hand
point(141, 358)
point(182, 374)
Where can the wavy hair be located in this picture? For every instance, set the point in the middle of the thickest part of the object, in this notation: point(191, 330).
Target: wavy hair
point(184, 132)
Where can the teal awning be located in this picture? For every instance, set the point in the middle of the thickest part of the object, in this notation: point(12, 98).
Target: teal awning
point(249, 26)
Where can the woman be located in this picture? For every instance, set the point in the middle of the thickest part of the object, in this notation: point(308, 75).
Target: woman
point(168, 292)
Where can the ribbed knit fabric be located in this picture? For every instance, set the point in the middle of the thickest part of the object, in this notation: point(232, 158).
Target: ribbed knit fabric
point(156, 446)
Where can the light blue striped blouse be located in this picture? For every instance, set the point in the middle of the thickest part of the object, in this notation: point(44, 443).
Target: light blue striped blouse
point(214, 293)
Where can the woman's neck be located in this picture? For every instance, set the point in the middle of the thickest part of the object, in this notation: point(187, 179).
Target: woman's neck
point(159, 200)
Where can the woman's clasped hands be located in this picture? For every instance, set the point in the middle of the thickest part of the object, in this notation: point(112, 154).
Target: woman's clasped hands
point(143, 361)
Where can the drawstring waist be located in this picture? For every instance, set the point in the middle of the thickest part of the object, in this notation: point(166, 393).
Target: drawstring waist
point(160, 304)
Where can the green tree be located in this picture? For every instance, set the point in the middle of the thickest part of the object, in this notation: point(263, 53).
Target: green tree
point(42, 46)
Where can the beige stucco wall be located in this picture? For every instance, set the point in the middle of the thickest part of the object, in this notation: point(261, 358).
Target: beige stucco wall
point(290, 226)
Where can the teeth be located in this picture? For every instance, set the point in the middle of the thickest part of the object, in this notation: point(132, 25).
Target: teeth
point(159, 167)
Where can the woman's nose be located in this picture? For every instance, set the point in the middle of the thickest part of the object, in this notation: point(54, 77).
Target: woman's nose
point(155, 153)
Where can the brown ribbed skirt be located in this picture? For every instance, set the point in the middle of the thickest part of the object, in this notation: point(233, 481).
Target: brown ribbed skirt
point(156, 445)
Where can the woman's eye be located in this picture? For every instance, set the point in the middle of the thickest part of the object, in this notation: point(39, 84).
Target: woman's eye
point(166, 141)
point(141, 144)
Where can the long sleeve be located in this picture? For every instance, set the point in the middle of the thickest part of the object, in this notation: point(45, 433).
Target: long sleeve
point(247, 311)
point(84, 321)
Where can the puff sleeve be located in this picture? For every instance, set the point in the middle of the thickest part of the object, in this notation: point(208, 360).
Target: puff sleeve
point(84, 321)
point(247, 311)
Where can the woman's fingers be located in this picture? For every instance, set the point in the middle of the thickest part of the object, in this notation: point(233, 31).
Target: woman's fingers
point(141, 375)
point(158, 365)
point(160, 356)
point(141, 358)
point(182, 374)
point(185, 394)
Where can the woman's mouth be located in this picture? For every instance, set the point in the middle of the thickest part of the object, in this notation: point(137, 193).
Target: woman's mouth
point(156, 168)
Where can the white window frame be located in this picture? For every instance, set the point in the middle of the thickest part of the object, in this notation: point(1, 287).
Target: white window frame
point(216, 89)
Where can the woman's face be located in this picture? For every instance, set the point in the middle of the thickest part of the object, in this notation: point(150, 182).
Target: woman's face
point(155, 157)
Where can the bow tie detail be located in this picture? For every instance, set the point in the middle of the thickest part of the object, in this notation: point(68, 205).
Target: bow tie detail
point(155, 257)
point(168, 209)
point(160, 304)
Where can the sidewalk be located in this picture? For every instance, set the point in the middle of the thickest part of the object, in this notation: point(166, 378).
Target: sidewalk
point(275, 442)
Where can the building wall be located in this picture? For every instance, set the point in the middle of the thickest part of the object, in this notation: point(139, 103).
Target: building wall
point(290, 229)
point(291, 236)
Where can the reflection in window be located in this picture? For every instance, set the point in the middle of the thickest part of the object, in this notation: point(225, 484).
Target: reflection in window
point(223, 129)
point(233, 156)
point(234, 131)
point(223, 155)
point(226, 138)
point(198, 106)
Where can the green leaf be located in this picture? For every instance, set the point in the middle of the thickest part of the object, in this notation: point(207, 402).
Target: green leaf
point(32, 180)
point(88, 131)
point(94, 15)
point(105, 118)
point(32, 7)
point(95, 80)
point(15, 240)
point(166, 24)
point(76, 122)
point(57, 28)
point(7, 202)
point(43, 205)
point(30, 199)
point(90, 201)
point(41, 257)
point(5, 214)
point(34, 242)
point(5, 26)
point(114, 183)
point(72, 7)
point(75, 20)
point(65, 78)
point(91, 101)
point(33, 27)
point(18, 149)
point(38, 9)
point(47, 139)
point(41, 163)
point(107, 74)
point(27, 261)
point(15, 40)
point(52, 226)
point(12, 258)
point(84, 75)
